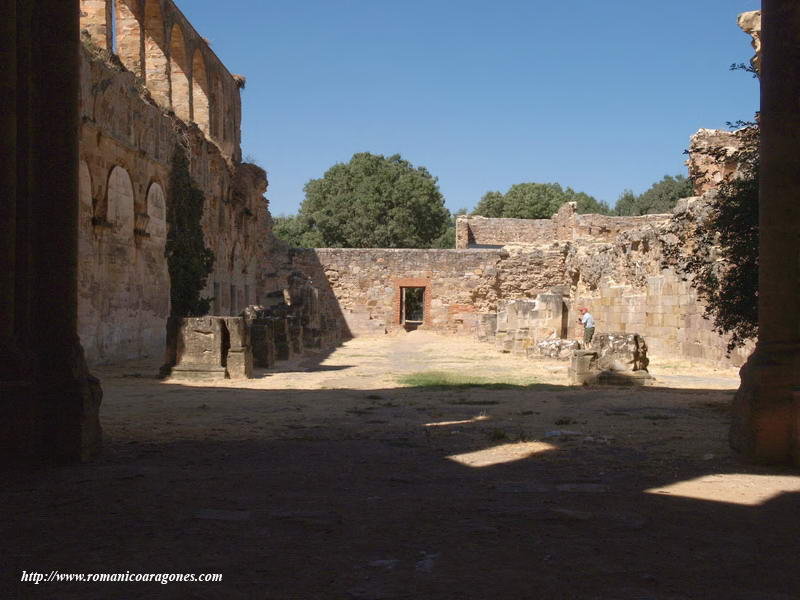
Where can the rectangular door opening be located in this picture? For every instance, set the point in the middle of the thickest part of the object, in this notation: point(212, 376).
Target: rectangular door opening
point(412, 307)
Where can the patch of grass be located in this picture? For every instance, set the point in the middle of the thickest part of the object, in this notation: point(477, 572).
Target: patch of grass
point(478, 402)
point(658, 417)
point(497, 435)
point(445, 380)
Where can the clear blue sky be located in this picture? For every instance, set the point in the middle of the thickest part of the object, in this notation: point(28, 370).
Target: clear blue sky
point(600, 96)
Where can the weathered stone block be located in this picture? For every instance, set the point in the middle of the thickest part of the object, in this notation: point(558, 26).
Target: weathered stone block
point(554, 348)
point(614, 359)
point(582, 368)
point(200, 342)
point(210, 348)
point(621, 351)
point(239, 358)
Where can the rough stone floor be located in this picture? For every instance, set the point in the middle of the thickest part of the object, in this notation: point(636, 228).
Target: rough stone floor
point(328, 479)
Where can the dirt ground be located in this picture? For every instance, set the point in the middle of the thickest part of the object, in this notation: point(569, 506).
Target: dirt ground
point(327, 478)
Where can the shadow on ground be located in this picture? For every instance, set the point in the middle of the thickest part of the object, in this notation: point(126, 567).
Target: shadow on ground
point(408, 493)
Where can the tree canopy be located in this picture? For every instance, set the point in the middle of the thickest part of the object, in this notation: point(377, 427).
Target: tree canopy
point(535, 201)
point(661, 197)
point(373, 201)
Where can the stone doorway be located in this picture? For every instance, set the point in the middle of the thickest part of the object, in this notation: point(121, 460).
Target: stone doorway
point(412, 307)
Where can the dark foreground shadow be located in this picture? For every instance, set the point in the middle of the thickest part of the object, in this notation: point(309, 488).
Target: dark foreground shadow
point(403, 493)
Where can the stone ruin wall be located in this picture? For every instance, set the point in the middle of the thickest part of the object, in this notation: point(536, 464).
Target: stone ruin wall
point(705, 170)
point(566, 224)
point(163, 85)
point(627, 289)
point(363, 285)
point(137, 104)
point(621, 280)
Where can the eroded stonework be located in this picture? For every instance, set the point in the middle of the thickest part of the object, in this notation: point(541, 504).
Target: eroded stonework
point(161, 88)
point(620, 277)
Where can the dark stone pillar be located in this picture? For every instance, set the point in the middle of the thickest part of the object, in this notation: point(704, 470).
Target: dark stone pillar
point(8, 184)
point(50, 402)
point(765, 426)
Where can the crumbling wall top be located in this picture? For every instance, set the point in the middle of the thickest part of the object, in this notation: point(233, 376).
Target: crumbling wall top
point(750, 23)
point(154, 40)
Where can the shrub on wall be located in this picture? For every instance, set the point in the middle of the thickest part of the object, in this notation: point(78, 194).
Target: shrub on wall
point(717, 249)
point(188, 259)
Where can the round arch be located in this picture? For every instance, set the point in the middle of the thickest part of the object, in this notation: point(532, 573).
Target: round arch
point(181, 94)
point(200, 93)
point(156, 73)
point(120, 203)
point(157, 211)
point(128, 35)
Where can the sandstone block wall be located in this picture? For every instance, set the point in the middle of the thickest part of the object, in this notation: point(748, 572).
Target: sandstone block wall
point(706, 170)
point(155, 42)
point(363, 285)
point(127, 139)
point(621, 280)
point(565, 225)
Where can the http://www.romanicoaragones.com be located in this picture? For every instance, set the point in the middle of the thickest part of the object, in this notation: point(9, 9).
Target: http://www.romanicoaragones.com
point(127, 577)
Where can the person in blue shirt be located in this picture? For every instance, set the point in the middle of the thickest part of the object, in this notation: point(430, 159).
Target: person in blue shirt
point(587, 320)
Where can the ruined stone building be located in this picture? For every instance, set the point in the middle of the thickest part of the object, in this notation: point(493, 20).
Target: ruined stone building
point(143, 82)
point(148, 84)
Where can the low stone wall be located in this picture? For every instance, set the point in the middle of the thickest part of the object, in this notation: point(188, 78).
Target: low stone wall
point(366, 283)
point(362, 287)
point(565, 225)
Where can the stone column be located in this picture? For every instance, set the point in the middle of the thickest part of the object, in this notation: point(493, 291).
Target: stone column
point(48, 399)
point(765, 425)
point(8, 186)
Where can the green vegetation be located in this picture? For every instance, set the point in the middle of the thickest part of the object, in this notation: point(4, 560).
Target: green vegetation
point(722, 263)
point(448, 239)
point(661, 197)
point(451, 380)
point(497, 435)
point(373, 201)
point(188, 260)
point(535, 201)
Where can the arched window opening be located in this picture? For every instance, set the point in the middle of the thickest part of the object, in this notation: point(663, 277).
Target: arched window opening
point(181, 95)
point(217, 108)
point(120, 206)
point(156, 210)
point(155, 58)
point(128, 36)
point(200, 109)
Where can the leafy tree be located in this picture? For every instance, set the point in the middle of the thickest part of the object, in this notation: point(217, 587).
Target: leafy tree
point(717, 249)
point(290, 229)
point(586, 203)
point(373, 201)
point(448, 239)
point(626, 203)
point(661, 197)
point(535, 201)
